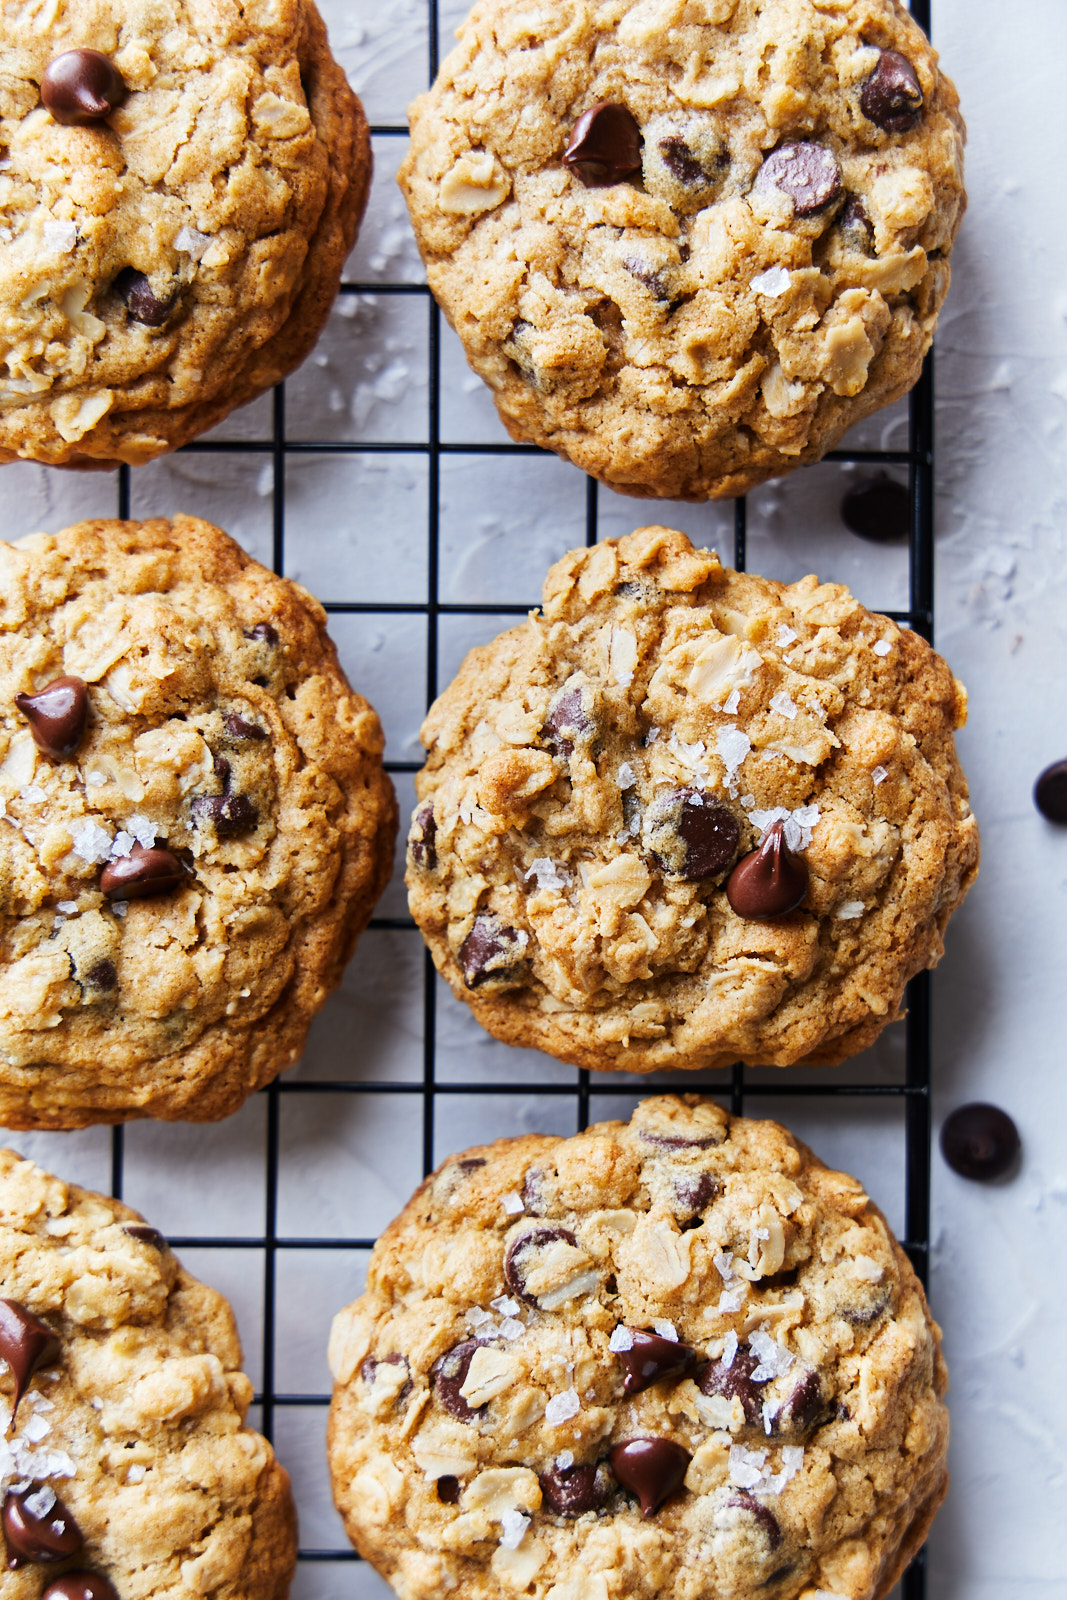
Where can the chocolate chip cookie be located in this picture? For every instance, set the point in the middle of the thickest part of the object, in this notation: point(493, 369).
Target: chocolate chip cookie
point(179, 189)
point(688, 243)
point(672, 1358)
point(685, 816)
point(194, 823)
point(126, 1467)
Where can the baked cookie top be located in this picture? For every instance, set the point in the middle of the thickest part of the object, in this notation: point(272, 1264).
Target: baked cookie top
point(127, 1456)
point(175, 253)
point(194, 822)
point(675, 1357)
point(685, 816)
point(687, 243)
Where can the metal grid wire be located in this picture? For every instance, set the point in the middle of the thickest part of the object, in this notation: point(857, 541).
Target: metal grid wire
point(734, 1086)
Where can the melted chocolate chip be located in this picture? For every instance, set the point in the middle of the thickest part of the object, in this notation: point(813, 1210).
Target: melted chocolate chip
point(81, 86)
point(533, 1192)
point(770, 881)
point(572, 1491)
point(1050, 792)
point(448, 1490)
point(33, 1536)
point(57, 715)
point(231, 814)
point(102, 975)
point(147, 1235)
point(422, 840)
point(876, 509)
point(734, 1382)
point(134, 289)
point(695, 1191)
point(263, 633)
point(521, 1255)
point(566, 723)
point(675, 1141)
point(690, 834)
point(141, 874)
point(744, 1501)
point(680, 160)
point(980, 1141)
point(449, 1376)
point(651, 1358)
point(605, 146)
point(802, 1407)
point(892, 97)
point(806, 172)
point(80, 1586)
point(652, 1469)
point(26, 1344)
point(855, 226)
point(237, 728)
point(490, 950)
point(655, 282)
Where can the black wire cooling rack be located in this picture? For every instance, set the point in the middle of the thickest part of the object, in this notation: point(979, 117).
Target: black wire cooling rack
point(911, 1090)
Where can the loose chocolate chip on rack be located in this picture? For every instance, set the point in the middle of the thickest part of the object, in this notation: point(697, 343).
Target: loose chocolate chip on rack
point(230, 814)
point(449, 1376)
point(38, 1527)
point(1050, 792)
point(263, 633)
point(876, 509)
point(566, 723)
point(134, 289)
point(237, 728)
point(522, 1253)
point(605, 146)
point(572, 1491)
point(743, 1501)
point(448, 1490)
point(102, 975)
point(734, 1382)
point(490, 950)
point(146, 1235)
point(26, 1344)
point(423, 836)
point(651, 1357)
point(770, 881)
point(690, 834)
point(892, 96)
point(81, 86)
point(80, 1586)
point(141, 874)
point(807, 172)
point(652, 1469)
point(980, 1141)
point(57, 715)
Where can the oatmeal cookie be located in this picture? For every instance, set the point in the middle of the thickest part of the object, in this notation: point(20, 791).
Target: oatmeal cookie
point(181, 185)
point(663, 1360)
point(688, 243)
point(685, 816)
point(194, 823)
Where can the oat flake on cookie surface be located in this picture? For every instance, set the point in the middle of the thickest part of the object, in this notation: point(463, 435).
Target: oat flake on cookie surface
point(174, 252)
point(684, 816)
point(696, 1364)
point(194, 823)
point(127, 1470)
point(740, 255)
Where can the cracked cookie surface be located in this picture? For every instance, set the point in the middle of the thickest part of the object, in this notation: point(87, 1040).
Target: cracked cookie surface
point(598, 778)
point(675, 1357)
point(748, 266)
point(176, 258)
point(180, 891)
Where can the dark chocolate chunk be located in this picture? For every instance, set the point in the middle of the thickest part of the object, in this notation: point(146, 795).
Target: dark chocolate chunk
point(855, 226)
point(566, 723)
point(33, 1535)
point(690, 834)
point(770, 881)
point(80, 1586)
point(652, 1469)
point(57, 715)
point(533, 1192)
point(802, 1407)
point(1050, 792)
point(734, 1382)
point(605, 146)
point(448, 1490)
point(521, 1256)
point(141, 874)
point(490, 950)
point(81, 86)
point(680, 160)
point(134, 289)
point(237, 728)
point(263, 633)
point(231, 814)
point(675, 1141)
point(572, 1491)
point(807, 172)
point(222, 769)
point(744, 1501)
point(863, 1316)
point(26, 1343)
point(651, 1358)
point(877, 509)
point(694, 1191)
point(980, 1141)
point(654, 281)
point(147, 1235)
point(422, 840)
point(449, 1376)
point(470, 1164)
point(892, 96)
point(102, 975)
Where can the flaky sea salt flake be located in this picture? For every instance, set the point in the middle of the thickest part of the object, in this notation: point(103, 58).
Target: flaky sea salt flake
point(879, 775)
point(746, 1466)
point(622, 1339)
point(882, 647)
point(512, 1203)
point(59, 235)
point(729, 1350)
point(849, 910)
point(666, 1330)
point(506, 1306)
point(33, 794)
point(773, 283)
point(786, 634)
point(142, 831)
point(122, 845)
point(92, 843)
point(513, 1526)
point(565, 1460)
point(192, 243)
point(549, 874)
point(784, 705)
point(512, 1328)
point(36, 1429)
point(731, 703)
point(562, 1407)
point(732, 746)
point(627, 776)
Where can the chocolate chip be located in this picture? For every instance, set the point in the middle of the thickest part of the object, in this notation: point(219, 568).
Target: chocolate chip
point(422, 840)
point(742, 1500)
point(572, 1491)
point(807, 172)
point(855, 226)
point(81, 86)
point(521, 1254)
point(470, 1164)
point(802, 1407)
point(237, 728)
point(221, 768)
point(980, 1141)
point(695, 1191)
point(102, 975)
point(134, 289)
point(877, 509)
point(26, 1343)
point(680, 160)
point(605, 145)
point(892, 96)
point(490, 950)
point(770, 881)
point(141, 874)
point(674, 1141)
point(230, 814)
point(651, 1358)
point(80, 1586)
point(652, 1469)
point(147, 1235)
point(263, 633)
point(566, 724)
point(863, 1316)
point(1050, 792)
point(57, 715)
point(654, 281)
point(51, 1536)
point(533, 1192)
point(734, 1382)
point(449, 1376)
point(690, 834)
point(448, 1490)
